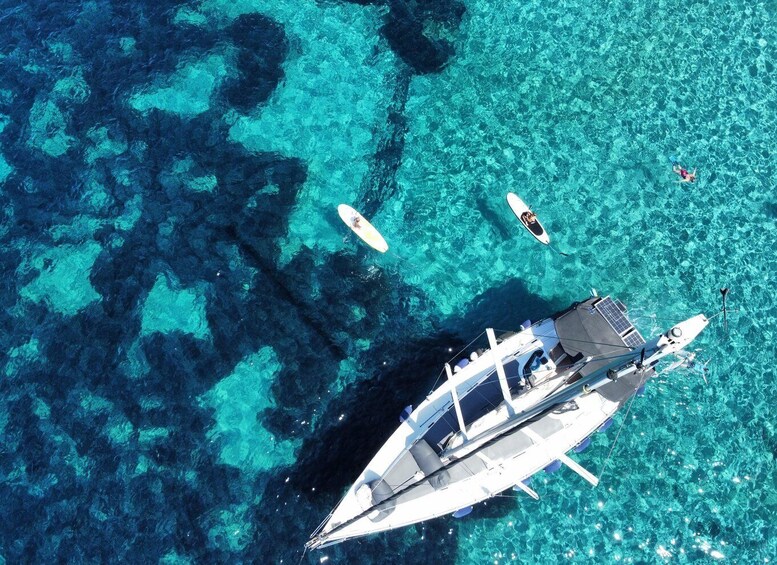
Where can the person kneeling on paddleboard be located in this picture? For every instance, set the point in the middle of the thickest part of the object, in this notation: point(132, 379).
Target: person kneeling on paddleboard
point(685, 176)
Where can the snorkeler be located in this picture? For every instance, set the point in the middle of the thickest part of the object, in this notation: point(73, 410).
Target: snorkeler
point(685, 176)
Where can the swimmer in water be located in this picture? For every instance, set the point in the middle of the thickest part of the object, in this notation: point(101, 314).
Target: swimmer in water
point(685, 176)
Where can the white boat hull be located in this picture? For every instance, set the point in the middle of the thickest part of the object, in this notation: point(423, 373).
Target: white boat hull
point(496, 450)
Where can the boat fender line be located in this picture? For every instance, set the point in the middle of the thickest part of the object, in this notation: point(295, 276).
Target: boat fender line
point(405, 414)
point(526, 482)
point(583, 445)
point(605, 425)
point(460, 513)
point(553, 467)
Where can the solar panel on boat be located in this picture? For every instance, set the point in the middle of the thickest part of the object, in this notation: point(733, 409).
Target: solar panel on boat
point(611, 312)
point(633, 339)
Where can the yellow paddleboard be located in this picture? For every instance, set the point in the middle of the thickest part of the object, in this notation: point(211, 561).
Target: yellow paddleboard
point(362, 228)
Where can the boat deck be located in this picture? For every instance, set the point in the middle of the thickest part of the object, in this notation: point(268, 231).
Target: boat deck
point(523, 404)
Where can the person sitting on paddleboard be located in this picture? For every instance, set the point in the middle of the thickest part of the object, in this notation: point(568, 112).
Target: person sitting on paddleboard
point(685, 176)
point(529, 218)
point(355, 222)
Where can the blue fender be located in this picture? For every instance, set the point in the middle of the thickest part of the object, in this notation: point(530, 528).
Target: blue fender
point(461, 512)
point(583, 445)
point(553, 467)
point(605, 425)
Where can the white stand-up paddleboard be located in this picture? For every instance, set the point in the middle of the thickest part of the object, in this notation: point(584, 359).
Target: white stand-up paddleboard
point(362, 228)
point(521, 210)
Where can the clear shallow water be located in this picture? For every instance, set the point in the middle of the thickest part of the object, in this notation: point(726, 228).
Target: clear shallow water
point(198, 359)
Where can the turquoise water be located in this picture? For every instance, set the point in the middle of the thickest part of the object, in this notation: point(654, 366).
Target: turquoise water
point(199, 357)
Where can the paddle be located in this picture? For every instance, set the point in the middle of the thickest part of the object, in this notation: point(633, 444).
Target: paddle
point(559, 252)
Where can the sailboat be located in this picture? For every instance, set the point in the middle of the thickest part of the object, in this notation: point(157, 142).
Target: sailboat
point(504, 413)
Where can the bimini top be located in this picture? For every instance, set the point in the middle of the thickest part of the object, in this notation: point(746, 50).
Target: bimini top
point(597, 328)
